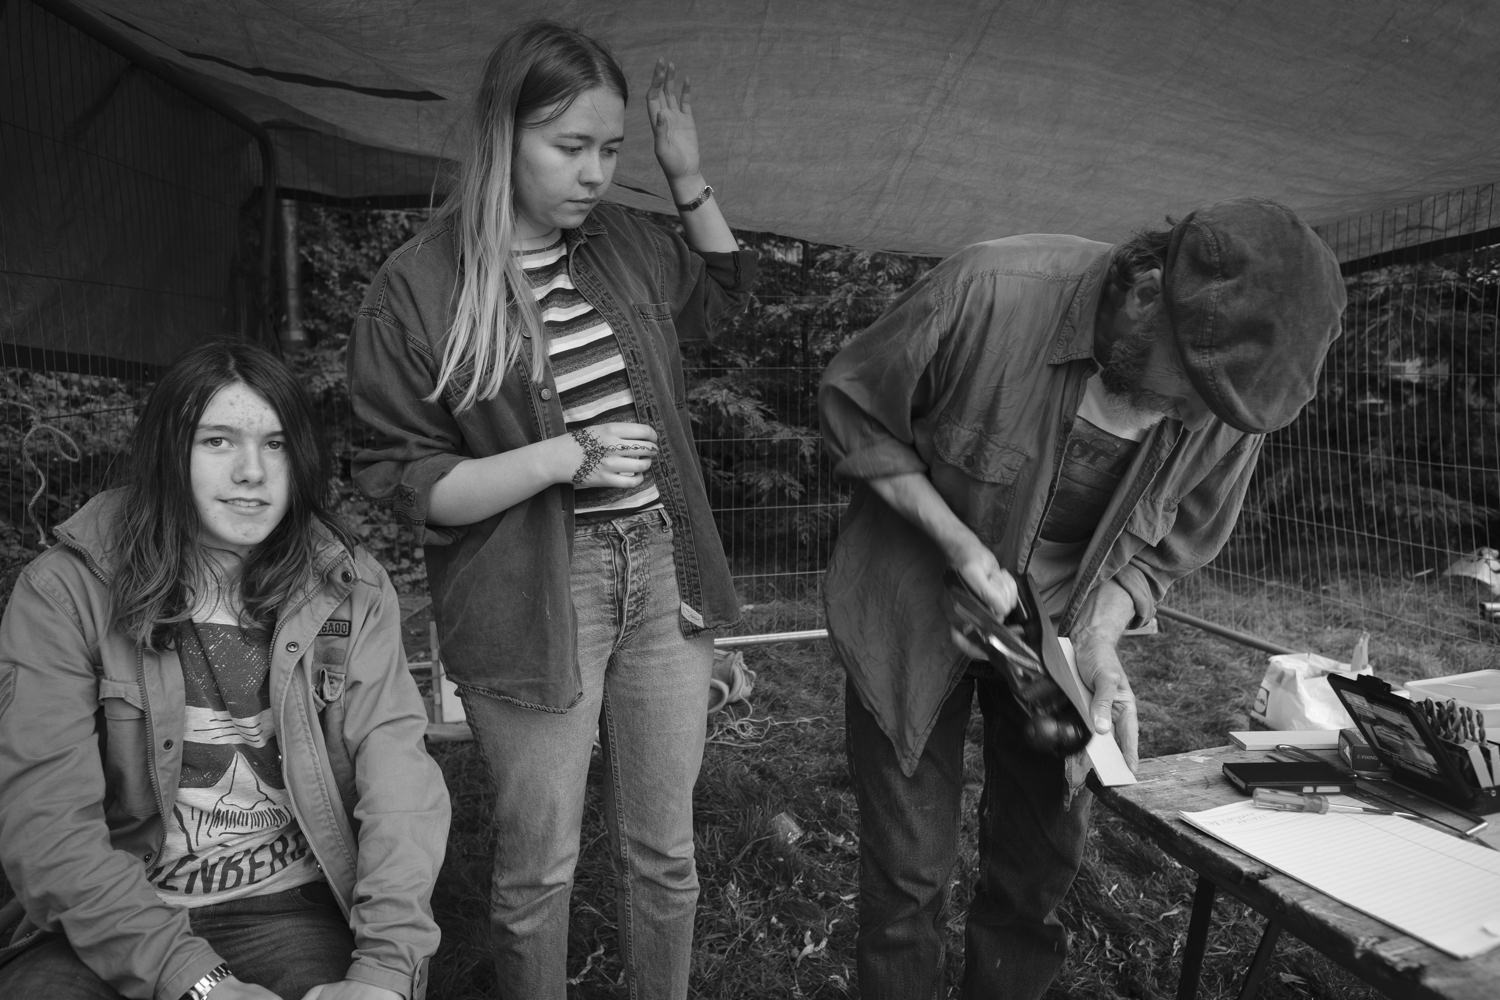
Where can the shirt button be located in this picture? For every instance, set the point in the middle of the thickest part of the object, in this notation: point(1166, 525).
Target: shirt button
point(346, 576)
point(147, 857)
point(545, 392)
point(166, 744)
point(292, 647)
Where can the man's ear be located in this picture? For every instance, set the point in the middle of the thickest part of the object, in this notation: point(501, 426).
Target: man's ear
point(1145, 293)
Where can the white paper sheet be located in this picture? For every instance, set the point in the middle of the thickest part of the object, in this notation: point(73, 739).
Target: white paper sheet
point(1103, 752)
point(1436, 887)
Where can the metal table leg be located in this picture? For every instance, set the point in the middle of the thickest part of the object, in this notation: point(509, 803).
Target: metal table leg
point(1257, 970)
point(1197, 939)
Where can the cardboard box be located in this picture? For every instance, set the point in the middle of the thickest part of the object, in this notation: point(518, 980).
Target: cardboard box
point(1478, 689)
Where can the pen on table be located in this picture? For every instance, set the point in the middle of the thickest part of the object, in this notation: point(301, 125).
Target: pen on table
point(1285, 801)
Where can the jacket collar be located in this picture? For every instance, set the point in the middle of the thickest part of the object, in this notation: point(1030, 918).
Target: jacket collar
point(592, 226)
point(1075, 337)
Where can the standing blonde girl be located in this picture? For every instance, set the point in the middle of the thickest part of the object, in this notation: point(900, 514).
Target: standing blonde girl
point(517, 367)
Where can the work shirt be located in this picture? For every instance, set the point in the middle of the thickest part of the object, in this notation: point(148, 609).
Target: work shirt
point(973, 378)
point(501, 587)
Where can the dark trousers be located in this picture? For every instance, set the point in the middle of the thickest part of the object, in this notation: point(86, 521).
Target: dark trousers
point(287, 942)
point(1030, 847)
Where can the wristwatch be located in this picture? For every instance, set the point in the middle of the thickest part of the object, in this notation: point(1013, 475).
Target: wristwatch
point(203, 987)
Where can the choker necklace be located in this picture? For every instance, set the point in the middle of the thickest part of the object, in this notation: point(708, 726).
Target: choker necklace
point(552, 245)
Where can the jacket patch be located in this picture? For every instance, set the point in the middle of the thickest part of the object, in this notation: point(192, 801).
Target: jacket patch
point(330, 684)
point(334, 626)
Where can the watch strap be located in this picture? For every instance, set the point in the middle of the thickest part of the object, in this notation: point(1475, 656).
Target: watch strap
point(203, 987)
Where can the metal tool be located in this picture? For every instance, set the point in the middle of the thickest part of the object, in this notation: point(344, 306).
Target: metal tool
point(1053, 723)
point(1288, 801)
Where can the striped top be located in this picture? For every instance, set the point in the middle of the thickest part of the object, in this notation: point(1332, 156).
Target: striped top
point(587, 366)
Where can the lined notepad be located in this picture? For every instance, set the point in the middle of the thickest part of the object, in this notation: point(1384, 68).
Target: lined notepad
point(1431, 885)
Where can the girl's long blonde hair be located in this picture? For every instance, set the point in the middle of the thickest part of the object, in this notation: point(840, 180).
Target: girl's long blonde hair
point(531, 77)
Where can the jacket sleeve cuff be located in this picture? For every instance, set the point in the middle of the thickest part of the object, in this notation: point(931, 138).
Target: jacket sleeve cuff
point(411, 986)
point(410, 497)
point(177, 981)
point(734, 271)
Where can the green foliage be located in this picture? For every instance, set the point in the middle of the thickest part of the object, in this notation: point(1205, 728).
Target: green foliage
point(64, 432)
point(754, 396)
point(341, 249)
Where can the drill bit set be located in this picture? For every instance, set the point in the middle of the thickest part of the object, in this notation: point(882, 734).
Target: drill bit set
point(1463, 726)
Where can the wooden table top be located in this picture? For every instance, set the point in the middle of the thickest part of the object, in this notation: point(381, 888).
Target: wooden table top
point(1395, 963)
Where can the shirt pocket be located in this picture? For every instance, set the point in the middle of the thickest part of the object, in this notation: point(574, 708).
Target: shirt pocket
point(1152, 520)
point(330, 670)
point(976, 453)
point(123, 751)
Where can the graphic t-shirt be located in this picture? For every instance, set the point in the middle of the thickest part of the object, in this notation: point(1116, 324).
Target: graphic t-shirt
point(1099, 449)
point(231, 833)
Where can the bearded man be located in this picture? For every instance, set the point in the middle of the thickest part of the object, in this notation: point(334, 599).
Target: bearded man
point(1088, 415)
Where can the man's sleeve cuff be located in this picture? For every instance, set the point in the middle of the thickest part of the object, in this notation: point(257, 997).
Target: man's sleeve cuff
point(879, 460)
point(1134, 582)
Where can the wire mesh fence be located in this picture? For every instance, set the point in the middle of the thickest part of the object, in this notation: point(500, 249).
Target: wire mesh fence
point(131, 225)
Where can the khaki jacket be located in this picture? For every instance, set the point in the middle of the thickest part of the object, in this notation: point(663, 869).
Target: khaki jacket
point(90, 753)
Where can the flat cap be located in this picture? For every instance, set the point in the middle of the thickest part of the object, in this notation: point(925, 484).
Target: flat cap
point(1254, 298)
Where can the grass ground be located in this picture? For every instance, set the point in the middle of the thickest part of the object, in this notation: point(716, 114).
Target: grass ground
point(778, 920)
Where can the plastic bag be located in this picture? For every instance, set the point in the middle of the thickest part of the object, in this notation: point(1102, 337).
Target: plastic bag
point(1295, 694)
point(731, 681)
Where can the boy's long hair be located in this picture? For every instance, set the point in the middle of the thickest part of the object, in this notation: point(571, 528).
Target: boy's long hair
point(531, 77)
point(162, 561)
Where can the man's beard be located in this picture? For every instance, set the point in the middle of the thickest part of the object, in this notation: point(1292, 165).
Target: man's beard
point(1125, 365)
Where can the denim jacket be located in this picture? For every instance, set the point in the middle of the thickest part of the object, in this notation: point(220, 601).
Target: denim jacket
point(92, 749)
point(972, 378)
point(500, 587)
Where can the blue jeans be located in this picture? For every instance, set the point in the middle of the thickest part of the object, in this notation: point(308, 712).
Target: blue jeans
point(287, 941)
point(645, 695)
point(1030, 848)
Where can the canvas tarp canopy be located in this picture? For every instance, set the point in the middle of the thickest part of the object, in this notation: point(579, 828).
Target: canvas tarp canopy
point(903, 125)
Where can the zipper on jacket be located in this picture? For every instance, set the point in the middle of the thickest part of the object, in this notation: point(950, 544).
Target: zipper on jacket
point(282, 618)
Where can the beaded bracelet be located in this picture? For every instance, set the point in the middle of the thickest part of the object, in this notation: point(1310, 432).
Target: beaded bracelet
point(593, 454)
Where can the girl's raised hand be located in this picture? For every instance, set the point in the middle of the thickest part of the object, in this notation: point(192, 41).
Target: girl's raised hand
point(672, 122)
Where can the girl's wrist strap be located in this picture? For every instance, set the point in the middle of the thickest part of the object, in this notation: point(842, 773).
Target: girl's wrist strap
point(703, 196)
